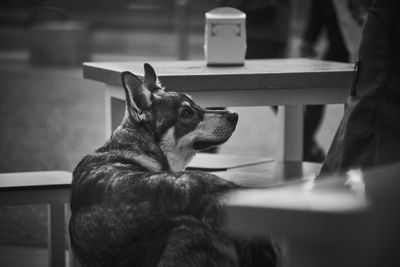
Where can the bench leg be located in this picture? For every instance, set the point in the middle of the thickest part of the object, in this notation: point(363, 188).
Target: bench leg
point(73, 261)
point(56, 234)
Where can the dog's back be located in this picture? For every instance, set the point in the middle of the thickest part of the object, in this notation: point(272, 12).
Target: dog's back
point(132, 202)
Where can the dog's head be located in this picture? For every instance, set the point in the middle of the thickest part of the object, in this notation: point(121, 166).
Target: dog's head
point(179, 125)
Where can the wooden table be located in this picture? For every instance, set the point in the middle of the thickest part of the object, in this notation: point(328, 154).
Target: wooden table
point(326, 222)
point(289, 82)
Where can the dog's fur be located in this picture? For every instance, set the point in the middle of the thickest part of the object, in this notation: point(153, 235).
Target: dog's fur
point(132, 202)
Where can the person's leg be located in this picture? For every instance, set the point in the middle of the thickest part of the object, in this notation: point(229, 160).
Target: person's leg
point(313, 115)
point(369, 134)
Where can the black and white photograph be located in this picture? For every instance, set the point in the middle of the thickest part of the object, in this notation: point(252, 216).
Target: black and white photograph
point(208, 133)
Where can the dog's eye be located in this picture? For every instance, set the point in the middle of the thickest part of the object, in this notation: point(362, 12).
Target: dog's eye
point(186, 113)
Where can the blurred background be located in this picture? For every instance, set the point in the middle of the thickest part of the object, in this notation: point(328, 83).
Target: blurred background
point(50, 117)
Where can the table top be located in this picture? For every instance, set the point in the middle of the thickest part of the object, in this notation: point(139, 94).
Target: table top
point(267, 74)
point(272, 174)
point(328, 209)
point(223, 162)
point(313, 210)
point(21, 180)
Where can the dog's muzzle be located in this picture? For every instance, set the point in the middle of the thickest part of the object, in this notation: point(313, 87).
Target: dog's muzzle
point(217, 129)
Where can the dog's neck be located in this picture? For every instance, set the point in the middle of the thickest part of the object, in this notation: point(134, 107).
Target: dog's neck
point(171, 153)
point(137, 145)
point(178, 161)
point(177, 154)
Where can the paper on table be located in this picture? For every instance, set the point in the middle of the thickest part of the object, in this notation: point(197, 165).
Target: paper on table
point(260, 180)
point(216, 162)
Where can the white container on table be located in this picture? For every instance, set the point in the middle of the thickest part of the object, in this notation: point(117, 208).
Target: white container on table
point(225, 36)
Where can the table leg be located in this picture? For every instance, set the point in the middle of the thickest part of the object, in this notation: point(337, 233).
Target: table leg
point(56, 234)
point(114, 108)
point(290, 141)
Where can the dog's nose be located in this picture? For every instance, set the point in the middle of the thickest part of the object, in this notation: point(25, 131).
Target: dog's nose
point(233, 117)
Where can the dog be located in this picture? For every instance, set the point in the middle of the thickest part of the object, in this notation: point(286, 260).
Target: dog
point(133, 203)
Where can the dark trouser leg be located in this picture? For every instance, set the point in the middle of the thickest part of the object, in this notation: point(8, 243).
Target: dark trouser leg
point(313, 115)
point(369, 133)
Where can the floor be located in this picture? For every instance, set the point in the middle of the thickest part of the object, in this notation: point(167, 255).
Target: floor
point(19, 256)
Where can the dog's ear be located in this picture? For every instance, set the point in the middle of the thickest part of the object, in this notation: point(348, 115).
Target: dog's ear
point(138, 97)
point(150, 78)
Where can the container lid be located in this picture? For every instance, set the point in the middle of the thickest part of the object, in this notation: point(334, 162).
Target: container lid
point(225, 12)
